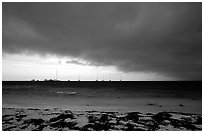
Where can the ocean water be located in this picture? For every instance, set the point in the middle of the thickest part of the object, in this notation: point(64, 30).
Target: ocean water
point(118, 96)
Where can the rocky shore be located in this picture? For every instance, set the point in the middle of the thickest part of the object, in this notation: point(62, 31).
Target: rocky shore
point(15, 119)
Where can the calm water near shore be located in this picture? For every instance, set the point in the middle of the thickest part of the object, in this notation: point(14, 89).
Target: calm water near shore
point(121, 96)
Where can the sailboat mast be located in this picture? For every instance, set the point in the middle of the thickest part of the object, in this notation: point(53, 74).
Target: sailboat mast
point(56, 74)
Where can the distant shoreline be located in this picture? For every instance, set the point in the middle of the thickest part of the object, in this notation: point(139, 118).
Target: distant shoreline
point(99, 81)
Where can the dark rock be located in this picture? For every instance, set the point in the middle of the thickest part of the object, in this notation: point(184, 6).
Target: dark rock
point(199, 120)
point(23, 126)
point(87, 127)
point(191, 127)
point(39, 127)
point(59, 124)
point(149, 122)
point(101, 123)
point(185, 124)
point(91, 111)
point(20, 115)
point(133, 116)
point(101, 126)
point(9, 127)
point(104, 118)
point(35, 109)
point(161, 116)
point(34, 121)
point(63, 117)
point(72, 125)
point(62, 124)
point(92, 119)
point(166, 122)
point(9, 108)
point(6, 116)
point(188, 119)
point(130, 127)
point(152, 126)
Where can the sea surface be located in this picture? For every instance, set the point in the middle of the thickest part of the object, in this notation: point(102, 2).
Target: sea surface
point(121, 96)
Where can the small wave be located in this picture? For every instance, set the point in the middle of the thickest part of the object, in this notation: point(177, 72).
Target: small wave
point(67, 93)
point(59, 92)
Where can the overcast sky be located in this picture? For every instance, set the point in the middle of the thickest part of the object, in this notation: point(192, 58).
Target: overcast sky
point(145, 39)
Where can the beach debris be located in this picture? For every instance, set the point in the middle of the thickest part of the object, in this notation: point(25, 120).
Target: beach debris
point(33, 109)
point(64, 120)
point(181, 105)
point(151, 104)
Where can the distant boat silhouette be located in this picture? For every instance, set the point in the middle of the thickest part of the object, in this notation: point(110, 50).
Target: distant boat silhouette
point(120, 78)
point(103, 78)
point(110, 78)
point(56, 74)
point(78, 78)
point(97, 78)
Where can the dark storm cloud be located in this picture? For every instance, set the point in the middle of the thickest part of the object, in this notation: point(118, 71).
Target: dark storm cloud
point(165, 38)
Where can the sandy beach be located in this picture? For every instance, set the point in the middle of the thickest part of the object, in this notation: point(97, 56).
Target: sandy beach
point(15, 119)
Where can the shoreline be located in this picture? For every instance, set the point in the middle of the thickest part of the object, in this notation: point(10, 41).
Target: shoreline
point(57, 119)
point(143, 105)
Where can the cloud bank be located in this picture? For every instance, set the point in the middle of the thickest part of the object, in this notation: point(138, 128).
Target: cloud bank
point(76, 62)
point(164, 38)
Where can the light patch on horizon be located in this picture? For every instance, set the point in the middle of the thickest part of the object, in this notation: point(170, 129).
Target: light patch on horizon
point(40, 68)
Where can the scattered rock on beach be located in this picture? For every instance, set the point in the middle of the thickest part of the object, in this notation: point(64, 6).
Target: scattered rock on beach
point(181, 105)
point(64, 120)
point(8, 127)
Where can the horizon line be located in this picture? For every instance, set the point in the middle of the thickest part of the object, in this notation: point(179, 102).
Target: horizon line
point(96, 81)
